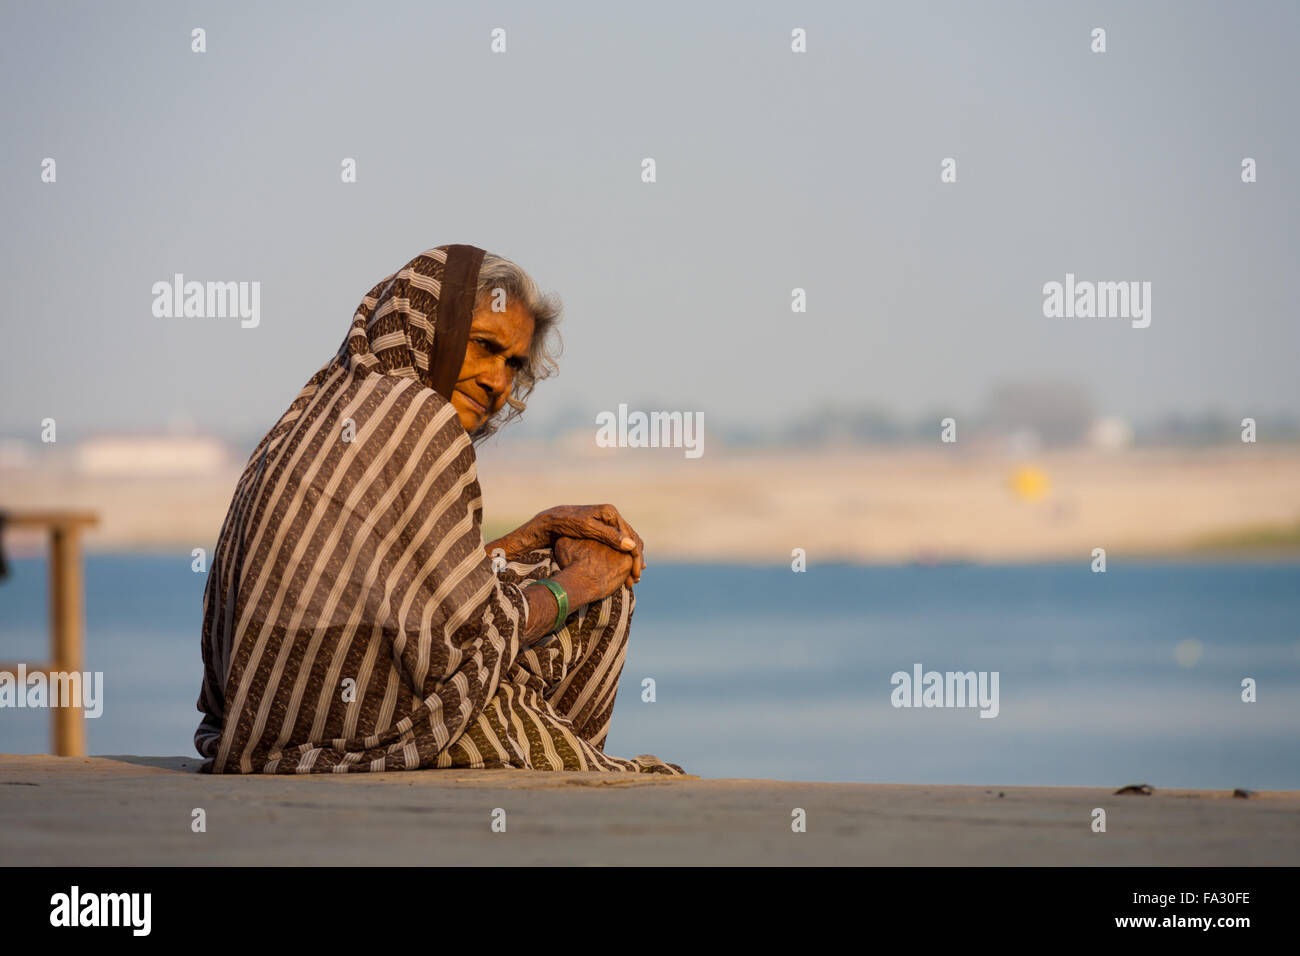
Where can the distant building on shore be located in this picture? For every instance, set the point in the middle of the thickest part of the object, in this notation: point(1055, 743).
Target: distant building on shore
point(1110, 433)
point(151, 456)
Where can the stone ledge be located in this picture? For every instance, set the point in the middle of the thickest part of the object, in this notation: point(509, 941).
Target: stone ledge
point(138, 810)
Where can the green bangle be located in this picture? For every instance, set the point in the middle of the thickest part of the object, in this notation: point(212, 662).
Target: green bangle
point(561, 598)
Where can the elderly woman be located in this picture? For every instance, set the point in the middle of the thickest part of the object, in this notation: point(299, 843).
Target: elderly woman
point(354, 619)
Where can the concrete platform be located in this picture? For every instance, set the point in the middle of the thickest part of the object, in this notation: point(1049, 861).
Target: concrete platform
point(138, 810)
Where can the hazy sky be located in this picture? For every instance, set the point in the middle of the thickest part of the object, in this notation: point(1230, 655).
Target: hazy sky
point(775, 170)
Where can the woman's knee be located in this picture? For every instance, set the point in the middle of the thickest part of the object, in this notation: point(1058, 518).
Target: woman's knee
point(621, 602)
point(614, 610)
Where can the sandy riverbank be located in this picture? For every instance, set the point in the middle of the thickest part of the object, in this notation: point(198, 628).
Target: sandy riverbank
point(732, 505)
point(138, 810)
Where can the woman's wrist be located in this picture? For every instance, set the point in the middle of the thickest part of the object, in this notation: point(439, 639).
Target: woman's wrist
point(543, 603)
point(561, 599)
point(574, 586)
point(542, 608)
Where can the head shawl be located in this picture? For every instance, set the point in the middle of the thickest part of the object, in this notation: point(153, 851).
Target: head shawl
point(351, 618)
point(429, 302)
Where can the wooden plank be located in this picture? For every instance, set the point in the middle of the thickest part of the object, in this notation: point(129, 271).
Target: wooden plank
point(49, 519)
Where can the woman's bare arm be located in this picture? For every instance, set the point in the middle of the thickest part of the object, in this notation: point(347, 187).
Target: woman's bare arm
point(592, 571)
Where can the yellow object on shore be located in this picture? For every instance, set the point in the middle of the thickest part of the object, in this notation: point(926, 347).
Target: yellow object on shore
point(1030, 483)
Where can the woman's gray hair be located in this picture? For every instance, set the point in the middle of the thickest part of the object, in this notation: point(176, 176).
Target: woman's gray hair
point(516, 285)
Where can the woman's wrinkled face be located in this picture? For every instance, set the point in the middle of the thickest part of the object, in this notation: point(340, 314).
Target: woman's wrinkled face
point(497, 349)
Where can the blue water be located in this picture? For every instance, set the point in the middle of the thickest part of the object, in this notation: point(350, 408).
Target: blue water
point(761, 672)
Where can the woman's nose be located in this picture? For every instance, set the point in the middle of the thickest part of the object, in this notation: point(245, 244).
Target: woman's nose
point(493, 381)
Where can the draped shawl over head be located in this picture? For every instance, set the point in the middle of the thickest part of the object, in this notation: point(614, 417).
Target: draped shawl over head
point(352, 620)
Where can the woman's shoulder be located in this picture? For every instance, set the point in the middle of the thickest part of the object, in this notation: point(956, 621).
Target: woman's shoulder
point(366, 410)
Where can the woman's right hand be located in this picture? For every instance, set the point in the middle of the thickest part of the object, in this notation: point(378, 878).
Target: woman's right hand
point(590, 570)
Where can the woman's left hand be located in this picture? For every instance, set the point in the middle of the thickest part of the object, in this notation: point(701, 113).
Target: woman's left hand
point(600, 523)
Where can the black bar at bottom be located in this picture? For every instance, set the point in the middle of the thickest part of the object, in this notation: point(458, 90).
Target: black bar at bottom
point(308, 904)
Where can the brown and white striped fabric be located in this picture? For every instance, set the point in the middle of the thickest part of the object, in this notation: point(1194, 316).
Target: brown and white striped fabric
point(552, 712)
point(352, 620)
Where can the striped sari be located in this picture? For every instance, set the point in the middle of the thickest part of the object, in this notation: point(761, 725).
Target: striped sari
point(352, 620)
